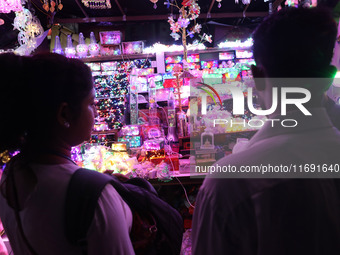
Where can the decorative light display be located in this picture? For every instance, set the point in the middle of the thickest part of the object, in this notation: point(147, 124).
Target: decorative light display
point(154, 3)
point(163, 172)
point(133, 96)
point(29, 30)
point(188, 11)
point(153, 119)
point(70, 51)
point(158, 47)
point(57, 46)
point(207, 140)
point(76, 155)
point(219, 5)
point(102, 158)
point(112, 90)
point(6, 6)
point(94, 47)
point(155, 144)
point(110, 37)
point(226, 55)
point(244, 54)
point(133, 141)
point(51, 5)
point(236, 44)
point(130, 134)
point(133, 47)
point(132, 130)
point(101, 126)
point(119, 147)
point(97, 4)
point(82, 48)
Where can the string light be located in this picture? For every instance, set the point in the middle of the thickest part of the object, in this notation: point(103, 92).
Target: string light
point(236, 44)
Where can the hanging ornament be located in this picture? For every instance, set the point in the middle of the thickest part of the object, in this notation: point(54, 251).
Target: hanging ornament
point(29, 30)
point(52, 6)
point(97, 4)
point(219, 3)
point(154, 3)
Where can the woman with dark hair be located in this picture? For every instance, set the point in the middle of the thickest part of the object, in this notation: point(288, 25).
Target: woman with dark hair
point(47, 105)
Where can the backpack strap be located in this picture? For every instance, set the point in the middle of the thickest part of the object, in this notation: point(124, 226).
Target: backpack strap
point(83, 192)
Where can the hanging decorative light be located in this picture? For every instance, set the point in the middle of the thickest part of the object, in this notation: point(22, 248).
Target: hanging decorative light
point(52, 5)
point(219, 3)
point(154, 3)
point(97, 4)
point(29, 30)
point(10, 5)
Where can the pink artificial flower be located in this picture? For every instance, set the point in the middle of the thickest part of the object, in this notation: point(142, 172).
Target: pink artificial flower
point(207, 38)
point(183, 22)
point(188, 2)
point(197, 28)
point(194, 11)
point(174, 27)
point(171, 20)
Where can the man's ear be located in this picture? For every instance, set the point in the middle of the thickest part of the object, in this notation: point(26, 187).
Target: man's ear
point(64, 114)
point(259, 77)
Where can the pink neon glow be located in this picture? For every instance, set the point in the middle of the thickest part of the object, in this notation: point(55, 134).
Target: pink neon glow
point(10, 5)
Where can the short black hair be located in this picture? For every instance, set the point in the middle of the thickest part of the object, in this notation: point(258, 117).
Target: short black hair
point(295, 42)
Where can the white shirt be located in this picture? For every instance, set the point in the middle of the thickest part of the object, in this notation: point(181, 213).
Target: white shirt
point(226, 210)
point(43, 217)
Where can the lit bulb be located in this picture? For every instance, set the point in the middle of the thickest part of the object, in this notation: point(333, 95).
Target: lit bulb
point(94, 47)
point(82, 47)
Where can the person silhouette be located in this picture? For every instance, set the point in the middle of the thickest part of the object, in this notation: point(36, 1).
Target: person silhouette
point(282, 215)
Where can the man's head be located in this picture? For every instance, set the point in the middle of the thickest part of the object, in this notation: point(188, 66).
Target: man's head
point(295, 42)
point(291, 44)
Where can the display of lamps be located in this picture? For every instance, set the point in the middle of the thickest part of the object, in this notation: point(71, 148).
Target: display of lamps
point(70, 51)
point(57, 46)
point(94, 47)
point(82, 48)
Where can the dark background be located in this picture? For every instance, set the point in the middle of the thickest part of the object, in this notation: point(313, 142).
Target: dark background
point(138, 20)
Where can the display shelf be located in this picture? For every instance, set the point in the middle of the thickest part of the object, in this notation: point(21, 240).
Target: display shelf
point(211, 50)
point(107, 132)
point(98, 98)
point(124, 57)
